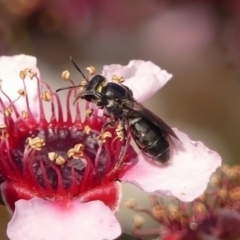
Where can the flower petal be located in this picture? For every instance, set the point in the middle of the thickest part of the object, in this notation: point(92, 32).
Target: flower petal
point(185, 177)
point(10, 68)
point(42, 220)
point(144, 78)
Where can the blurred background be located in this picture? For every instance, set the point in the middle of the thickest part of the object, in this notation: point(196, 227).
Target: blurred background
point(198, 41)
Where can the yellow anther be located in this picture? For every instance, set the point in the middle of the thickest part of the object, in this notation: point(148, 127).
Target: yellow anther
point(24, 114)
point(65, 75)
point(79, 147)
point(60, 160)
point(32, 75)
point(1, 81)
point(87, 129)
point(200, 207)
point(46, 96)
point(193, 226)
point(36, 143)
point(159, 211)
point(91, 70)
point(71, 152)
point(52, 156)
point(131, 203)
point(24, 73)
point(215, 180)
point(234, 194)
point(2, 126)
point(138, 221)
point(173, 208)
point(76, 152)
point(223, 193)
point(3, 131)
point(117, 79)
point(83, 83)
point(22, 92)
point(119, 131)
point(89, 112)
point(225, 168)
point(8, 112)
point(102, 137)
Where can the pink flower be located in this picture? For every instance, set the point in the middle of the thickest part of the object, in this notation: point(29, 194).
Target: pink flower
point(214, 215)
point(55, 172)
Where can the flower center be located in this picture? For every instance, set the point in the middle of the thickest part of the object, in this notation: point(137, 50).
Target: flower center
point(57, 157)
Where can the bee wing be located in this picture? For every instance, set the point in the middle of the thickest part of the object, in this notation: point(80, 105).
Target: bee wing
point(144, 112)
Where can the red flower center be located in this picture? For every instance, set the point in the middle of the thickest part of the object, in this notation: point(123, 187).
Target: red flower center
point(56, 159)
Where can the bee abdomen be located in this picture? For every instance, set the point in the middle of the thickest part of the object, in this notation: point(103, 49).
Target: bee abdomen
point(150, 139)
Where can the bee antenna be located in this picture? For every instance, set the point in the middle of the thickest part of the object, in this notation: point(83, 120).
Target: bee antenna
point(60, 89)
point(76, 66)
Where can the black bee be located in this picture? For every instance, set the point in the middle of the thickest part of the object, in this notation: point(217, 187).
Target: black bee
point(150, 133)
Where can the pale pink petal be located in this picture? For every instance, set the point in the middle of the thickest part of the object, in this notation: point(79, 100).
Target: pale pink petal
point(144, 78)
point(185, 177)
point(43, 220)
point(10, 68)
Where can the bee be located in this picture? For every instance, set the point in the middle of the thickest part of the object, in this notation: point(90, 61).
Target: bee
point(151, 134)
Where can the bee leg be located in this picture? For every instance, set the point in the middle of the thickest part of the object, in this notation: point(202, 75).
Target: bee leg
point(109, 124)
point(122, 134)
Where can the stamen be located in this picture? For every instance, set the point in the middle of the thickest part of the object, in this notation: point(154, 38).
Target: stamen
point(83, 84)
point(3, 131)
point(87, 129)
point(215, 180)
point(131, 203)
point(159, 212)
point(65, 75)
point(103, 136)
point(76, 152)
point(200, 207)
point(117, 79)
point(234, 194)
point(24, 73)
point(138, 221)
point(36, 143)
point(193, 226)
point(24, 114)
point(8, 112)
point(119, 131)
point(52, 156)
point(91, 70)
point(22, 92)
point(2, 127)
point(32, 75)
point(46, 96)
point(89, 112)
point(60, 160)
point(223, 193)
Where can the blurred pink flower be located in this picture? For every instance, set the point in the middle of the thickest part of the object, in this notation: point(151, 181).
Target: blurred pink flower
point(55, 172)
